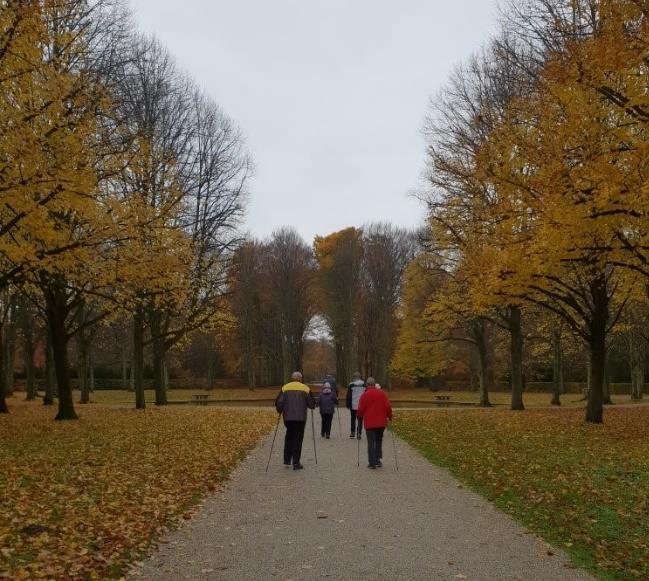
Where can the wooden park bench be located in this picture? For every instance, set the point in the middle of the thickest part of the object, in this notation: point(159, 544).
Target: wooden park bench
point(200, 398)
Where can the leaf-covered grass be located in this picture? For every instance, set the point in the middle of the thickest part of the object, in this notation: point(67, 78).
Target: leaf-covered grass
point(83, 499)
point(583, 487)
point(120, 396)
point(268, 394)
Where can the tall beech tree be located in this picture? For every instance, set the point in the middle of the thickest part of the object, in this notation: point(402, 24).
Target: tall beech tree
point(387, 252)
point(340, 257)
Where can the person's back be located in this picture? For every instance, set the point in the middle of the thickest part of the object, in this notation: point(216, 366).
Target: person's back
point(327, 403)
point(375, 411)
point(354, 392)
point(293, 402)
point(331, 380)
point(357, 388)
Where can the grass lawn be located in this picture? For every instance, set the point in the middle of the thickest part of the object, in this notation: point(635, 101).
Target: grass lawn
point(582, 487)
point(83, 499)
point(120, 396)
point(403, 396)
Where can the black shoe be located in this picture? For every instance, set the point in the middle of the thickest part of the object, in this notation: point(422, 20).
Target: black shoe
point(297, 466)
point(328, 437)
point(358, 435)
point(372, 466)
point(287, 464)
point(379, 464)
point(352, 435)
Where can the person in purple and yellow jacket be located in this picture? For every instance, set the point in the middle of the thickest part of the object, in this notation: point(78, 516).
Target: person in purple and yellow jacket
point(293, 402)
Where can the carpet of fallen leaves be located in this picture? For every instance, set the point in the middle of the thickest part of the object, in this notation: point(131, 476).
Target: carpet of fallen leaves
point(80, 500)
point(582, 487)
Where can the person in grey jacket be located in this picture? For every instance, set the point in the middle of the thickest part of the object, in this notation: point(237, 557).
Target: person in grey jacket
point(293, 402)
point(354, 392)
point(327, 404)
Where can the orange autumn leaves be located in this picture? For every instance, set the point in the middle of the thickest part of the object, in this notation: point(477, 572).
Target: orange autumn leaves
point(82, 500)
point(582, 487)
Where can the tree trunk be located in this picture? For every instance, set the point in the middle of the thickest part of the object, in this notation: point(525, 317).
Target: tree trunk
point(28, 355)
point(4, 409)
point(50, 376)
point(636, 364)
point(82, 362)
point(9, 351)
point(597, 344)
point(91, 372)
point(124, 370)
point(159, 373)
point(138, 358)
point(516, 354)
point(558, 385)
point(251, 375)
point(483, 361)
point(56, 309)
point(607, 384)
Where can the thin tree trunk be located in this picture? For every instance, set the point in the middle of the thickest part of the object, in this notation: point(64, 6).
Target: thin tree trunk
point(483, 361)
point(9, 351)
point(597, 344)
point(91, 371)
point(50, 375)
point(125, 385)
point(159, 373)
point(516, 353)
point(4, 409)
point(636, 364)
point(607, 385)
point(28, 354)
point(138, 358)
point(82, 360)
point(56, 315)
point(557, 368)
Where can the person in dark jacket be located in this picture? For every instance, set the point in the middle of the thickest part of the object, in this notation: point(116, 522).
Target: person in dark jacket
point(327, 404)
point(354, 391)
point(331, 380)
point(293, 402)
point(375, 410)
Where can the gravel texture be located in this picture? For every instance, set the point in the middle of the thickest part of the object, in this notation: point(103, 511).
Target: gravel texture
point(335, 520)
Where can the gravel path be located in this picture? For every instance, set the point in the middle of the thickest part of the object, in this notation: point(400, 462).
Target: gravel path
point(337, 521)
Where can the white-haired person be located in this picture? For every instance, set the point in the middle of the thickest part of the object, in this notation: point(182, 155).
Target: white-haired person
point(375, 411)
point(293, 402)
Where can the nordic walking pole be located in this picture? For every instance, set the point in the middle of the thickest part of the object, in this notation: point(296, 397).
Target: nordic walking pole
point(315, 453)
point(273, 444)
point(358, 453)
point(340, 430)
point(394, 449)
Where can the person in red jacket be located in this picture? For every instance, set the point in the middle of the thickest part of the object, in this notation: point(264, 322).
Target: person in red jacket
point(375, 410)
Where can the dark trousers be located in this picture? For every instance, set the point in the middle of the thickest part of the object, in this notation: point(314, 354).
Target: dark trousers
point(293, 441)
point(357, 423)
point(374, 445)
point(326, 424)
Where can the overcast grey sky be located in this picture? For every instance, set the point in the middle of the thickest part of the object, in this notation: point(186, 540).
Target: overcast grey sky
point(330, 95)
